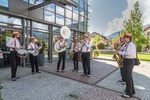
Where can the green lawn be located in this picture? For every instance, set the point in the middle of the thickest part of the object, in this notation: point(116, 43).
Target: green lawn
point(141, 56)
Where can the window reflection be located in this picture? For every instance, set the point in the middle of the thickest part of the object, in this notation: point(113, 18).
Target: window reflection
point(82, 4)
point(60, 19)
point(68, 22)
point(68, 13)
point(50, 7)
point(69, 7)
point(48, 16)
point(10, 21)
point(75, 16)
point(4, 3)
point(40, 26)
point(75, 9)
point(75, 24)
point(60, 10)
point(76, 1)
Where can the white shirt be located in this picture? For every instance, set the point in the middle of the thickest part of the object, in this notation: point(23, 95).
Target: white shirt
point(32, 47)
point(86, 47)
point(59, 44)
point(11, 44)
point(128, 50)
point(77, 47)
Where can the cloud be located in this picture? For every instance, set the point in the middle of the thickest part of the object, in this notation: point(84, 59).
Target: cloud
point(117, 23)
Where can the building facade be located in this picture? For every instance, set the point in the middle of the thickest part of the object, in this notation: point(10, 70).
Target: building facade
point(43, 23)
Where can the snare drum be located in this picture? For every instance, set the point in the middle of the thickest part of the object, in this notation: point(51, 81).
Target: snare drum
point(22, 53)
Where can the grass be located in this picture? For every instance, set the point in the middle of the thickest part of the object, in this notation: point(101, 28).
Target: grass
point(141, 56)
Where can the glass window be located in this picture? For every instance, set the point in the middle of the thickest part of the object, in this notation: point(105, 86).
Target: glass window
point(60, 19)
point(81, 12)
point(81, 26)
point(49, 16)
point(69, 7)
point(81, 18)
point(60, 10)
point(68, 22)
point(75, 16)
point(75, 9)
point(81, 4)
point(68, 13)
point(76, 1)
point(10, 21)
point(4, 3)
point(40, 27)
point(50, 7)
point(56, 29)
point(75, 24)
point(36, 2)
point(86, 7)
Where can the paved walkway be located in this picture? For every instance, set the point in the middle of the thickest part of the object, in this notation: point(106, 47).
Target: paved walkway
point(52, 85)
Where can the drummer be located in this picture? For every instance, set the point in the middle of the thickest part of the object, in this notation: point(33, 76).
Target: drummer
point(14, 45)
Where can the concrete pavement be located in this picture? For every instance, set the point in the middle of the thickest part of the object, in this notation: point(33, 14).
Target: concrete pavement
point(51, 85)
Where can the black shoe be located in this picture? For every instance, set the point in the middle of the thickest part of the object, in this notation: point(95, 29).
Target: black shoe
point(13, 79)
point(126, 96)
point(62, 71)
point(132, 92)
point(57, 70)
point(33, 73)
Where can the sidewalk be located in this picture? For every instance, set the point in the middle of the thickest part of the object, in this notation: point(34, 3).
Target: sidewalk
point(51, 85)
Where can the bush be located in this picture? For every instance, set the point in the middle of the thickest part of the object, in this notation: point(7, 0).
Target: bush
point(100, 45)
point(96, 53)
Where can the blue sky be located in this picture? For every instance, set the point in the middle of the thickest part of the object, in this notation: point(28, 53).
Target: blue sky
point(107, 16)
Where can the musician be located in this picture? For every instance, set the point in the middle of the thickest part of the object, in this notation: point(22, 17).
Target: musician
point(32, 49)
point(86, 48)
point(122, 68)
point(129, 54)
point(14, 45)
point(61, 55)
point(75, 49)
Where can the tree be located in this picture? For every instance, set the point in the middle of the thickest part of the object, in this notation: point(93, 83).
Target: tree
point(134, 26)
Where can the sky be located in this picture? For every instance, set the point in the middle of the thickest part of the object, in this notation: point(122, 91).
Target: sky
point(107, 16)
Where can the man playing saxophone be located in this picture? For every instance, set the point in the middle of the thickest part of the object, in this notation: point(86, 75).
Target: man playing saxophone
point(128, 53)
point(61, 45)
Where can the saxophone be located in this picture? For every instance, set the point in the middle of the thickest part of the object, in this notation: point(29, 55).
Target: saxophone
point(118, 57)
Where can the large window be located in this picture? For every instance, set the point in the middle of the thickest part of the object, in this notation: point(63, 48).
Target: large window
point(60, 10)
point(10, 21)
point(4, 3)
point(59, 19)
point(40, 27)
point(49, 16)
point(50, 7)
point(68, 13)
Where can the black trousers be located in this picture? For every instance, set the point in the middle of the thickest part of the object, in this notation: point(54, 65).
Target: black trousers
point(75, 60)
point(128, 68)
point(62, 56)
point(122, 73)
point(86, 63)
point(14, 62)
point(34, 63)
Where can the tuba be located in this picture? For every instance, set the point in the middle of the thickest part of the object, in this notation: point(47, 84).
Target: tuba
point(65, 33)
point(118, 57)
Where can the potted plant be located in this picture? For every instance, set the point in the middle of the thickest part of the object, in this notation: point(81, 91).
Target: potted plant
point(41, 52)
